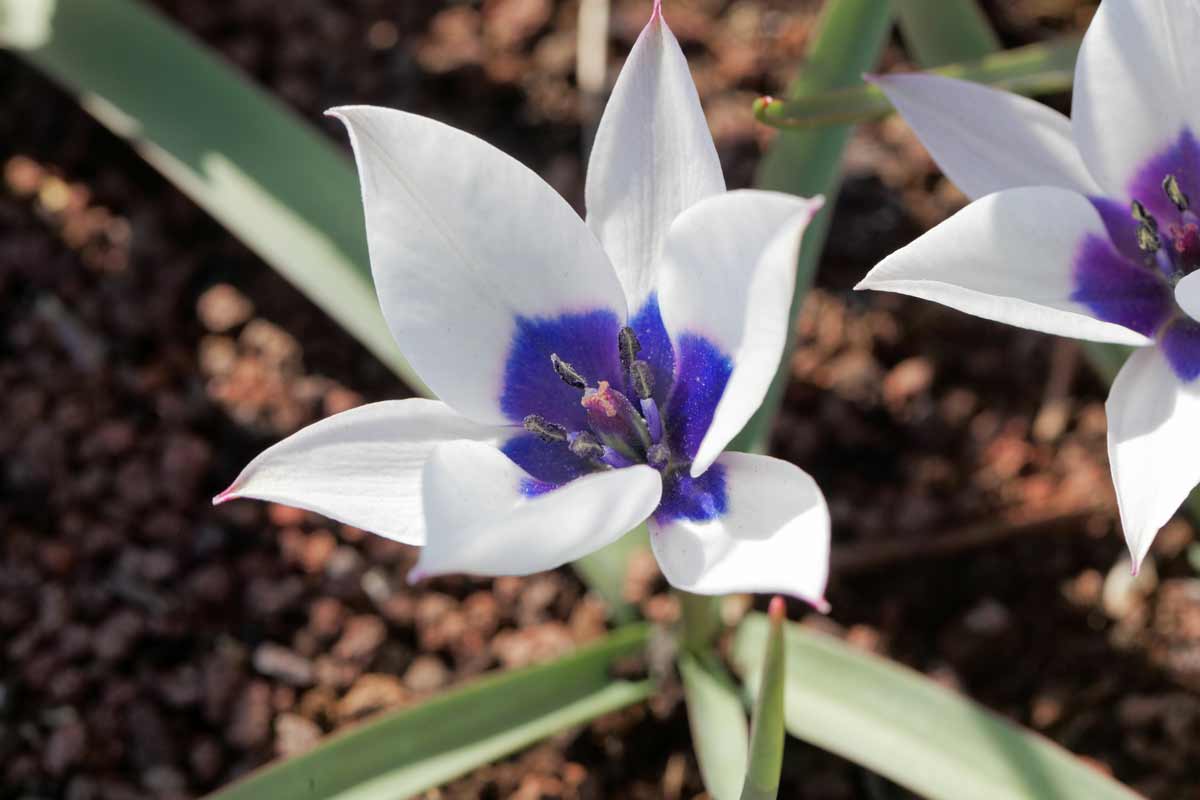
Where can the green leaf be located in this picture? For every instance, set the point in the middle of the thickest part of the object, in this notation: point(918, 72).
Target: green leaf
point(254, 165)
point(849, 38)
point(766, 736)
point(1035, 69)
point(414, 749)
point(904, 726)
point(944, 31)
point(717, 719)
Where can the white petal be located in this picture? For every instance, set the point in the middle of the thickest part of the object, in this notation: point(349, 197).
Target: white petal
point(727, 274)
point(653, 157)
point(1187, 295)
point(362, 466)
point(773, 537)
point(463, 239)
point(1136, 84)
point(1007, 257)
point(1153, 428)
point(480, 521)
point(986, 140)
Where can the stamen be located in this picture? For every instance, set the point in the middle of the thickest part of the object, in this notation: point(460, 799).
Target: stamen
point(642, 379)
point(1142, 215)
point(1174, 193)
point(658, 456)
point(1147, 238)
point(586, 445)
point(653, 420)
point(615, 459)
point(628, 346)
point(569, 374)
point(546, 431)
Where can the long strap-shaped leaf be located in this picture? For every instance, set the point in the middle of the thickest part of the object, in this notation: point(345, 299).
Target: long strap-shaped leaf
point(904, 726)
point(945, 31)
point(1035, 69)
point(717, 721)
point(258, 168)
point(415, 749)
point(847, 43)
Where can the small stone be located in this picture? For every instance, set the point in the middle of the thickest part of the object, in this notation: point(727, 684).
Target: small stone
point(370, 693)
point(82, 788)
point(988, 618)
point(65, 748)
point(1123, 591)
point(206, 759)
point(426, 674)
point(361, 638)
point(325, 617)
point(334, 673)
point(294, 734)
point(116, 637)
point(164, 781)
point(250, 726)
point(222, 307)
point(277, 661)
point(534, 645)
point(906, 380)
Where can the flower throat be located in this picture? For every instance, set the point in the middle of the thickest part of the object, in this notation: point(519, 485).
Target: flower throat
point(619, 433)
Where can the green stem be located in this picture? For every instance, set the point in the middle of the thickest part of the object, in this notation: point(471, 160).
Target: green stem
point(700, 622)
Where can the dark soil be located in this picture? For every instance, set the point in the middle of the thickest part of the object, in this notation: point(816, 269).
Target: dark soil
point(152, 646)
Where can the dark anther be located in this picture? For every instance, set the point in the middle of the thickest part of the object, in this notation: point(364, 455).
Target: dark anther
point(1142, 215)
point(586, 445)
point(1147, 238)
point(658, 455)
point(546, 431)
point(643, 379)
point(567, 372)
point(629, 347)
point(1170, 185)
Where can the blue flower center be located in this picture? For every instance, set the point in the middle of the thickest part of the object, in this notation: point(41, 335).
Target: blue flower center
point(619, 433)
point(1153, 241)
point(592, 394)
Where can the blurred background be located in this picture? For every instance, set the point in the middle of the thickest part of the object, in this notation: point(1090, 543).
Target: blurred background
point(153, 646)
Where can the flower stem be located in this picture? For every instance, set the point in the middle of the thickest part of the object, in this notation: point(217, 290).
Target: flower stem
point(700, 621)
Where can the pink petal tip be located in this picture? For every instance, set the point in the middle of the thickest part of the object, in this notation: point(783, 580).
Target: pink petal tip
point(415, 576)
point(225, 496)
point(777, 610)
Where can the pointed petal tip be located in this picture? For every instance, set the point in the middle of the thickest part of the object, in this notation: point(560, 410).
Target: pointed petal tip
point(873, 78)
point(415, 576)
point(821, 605)
point(226, 495)
point(656, 11)
point(815, 204)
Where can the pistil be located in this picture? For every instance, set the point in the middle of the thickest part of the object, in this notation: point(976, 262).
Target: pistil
point(613, 418)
